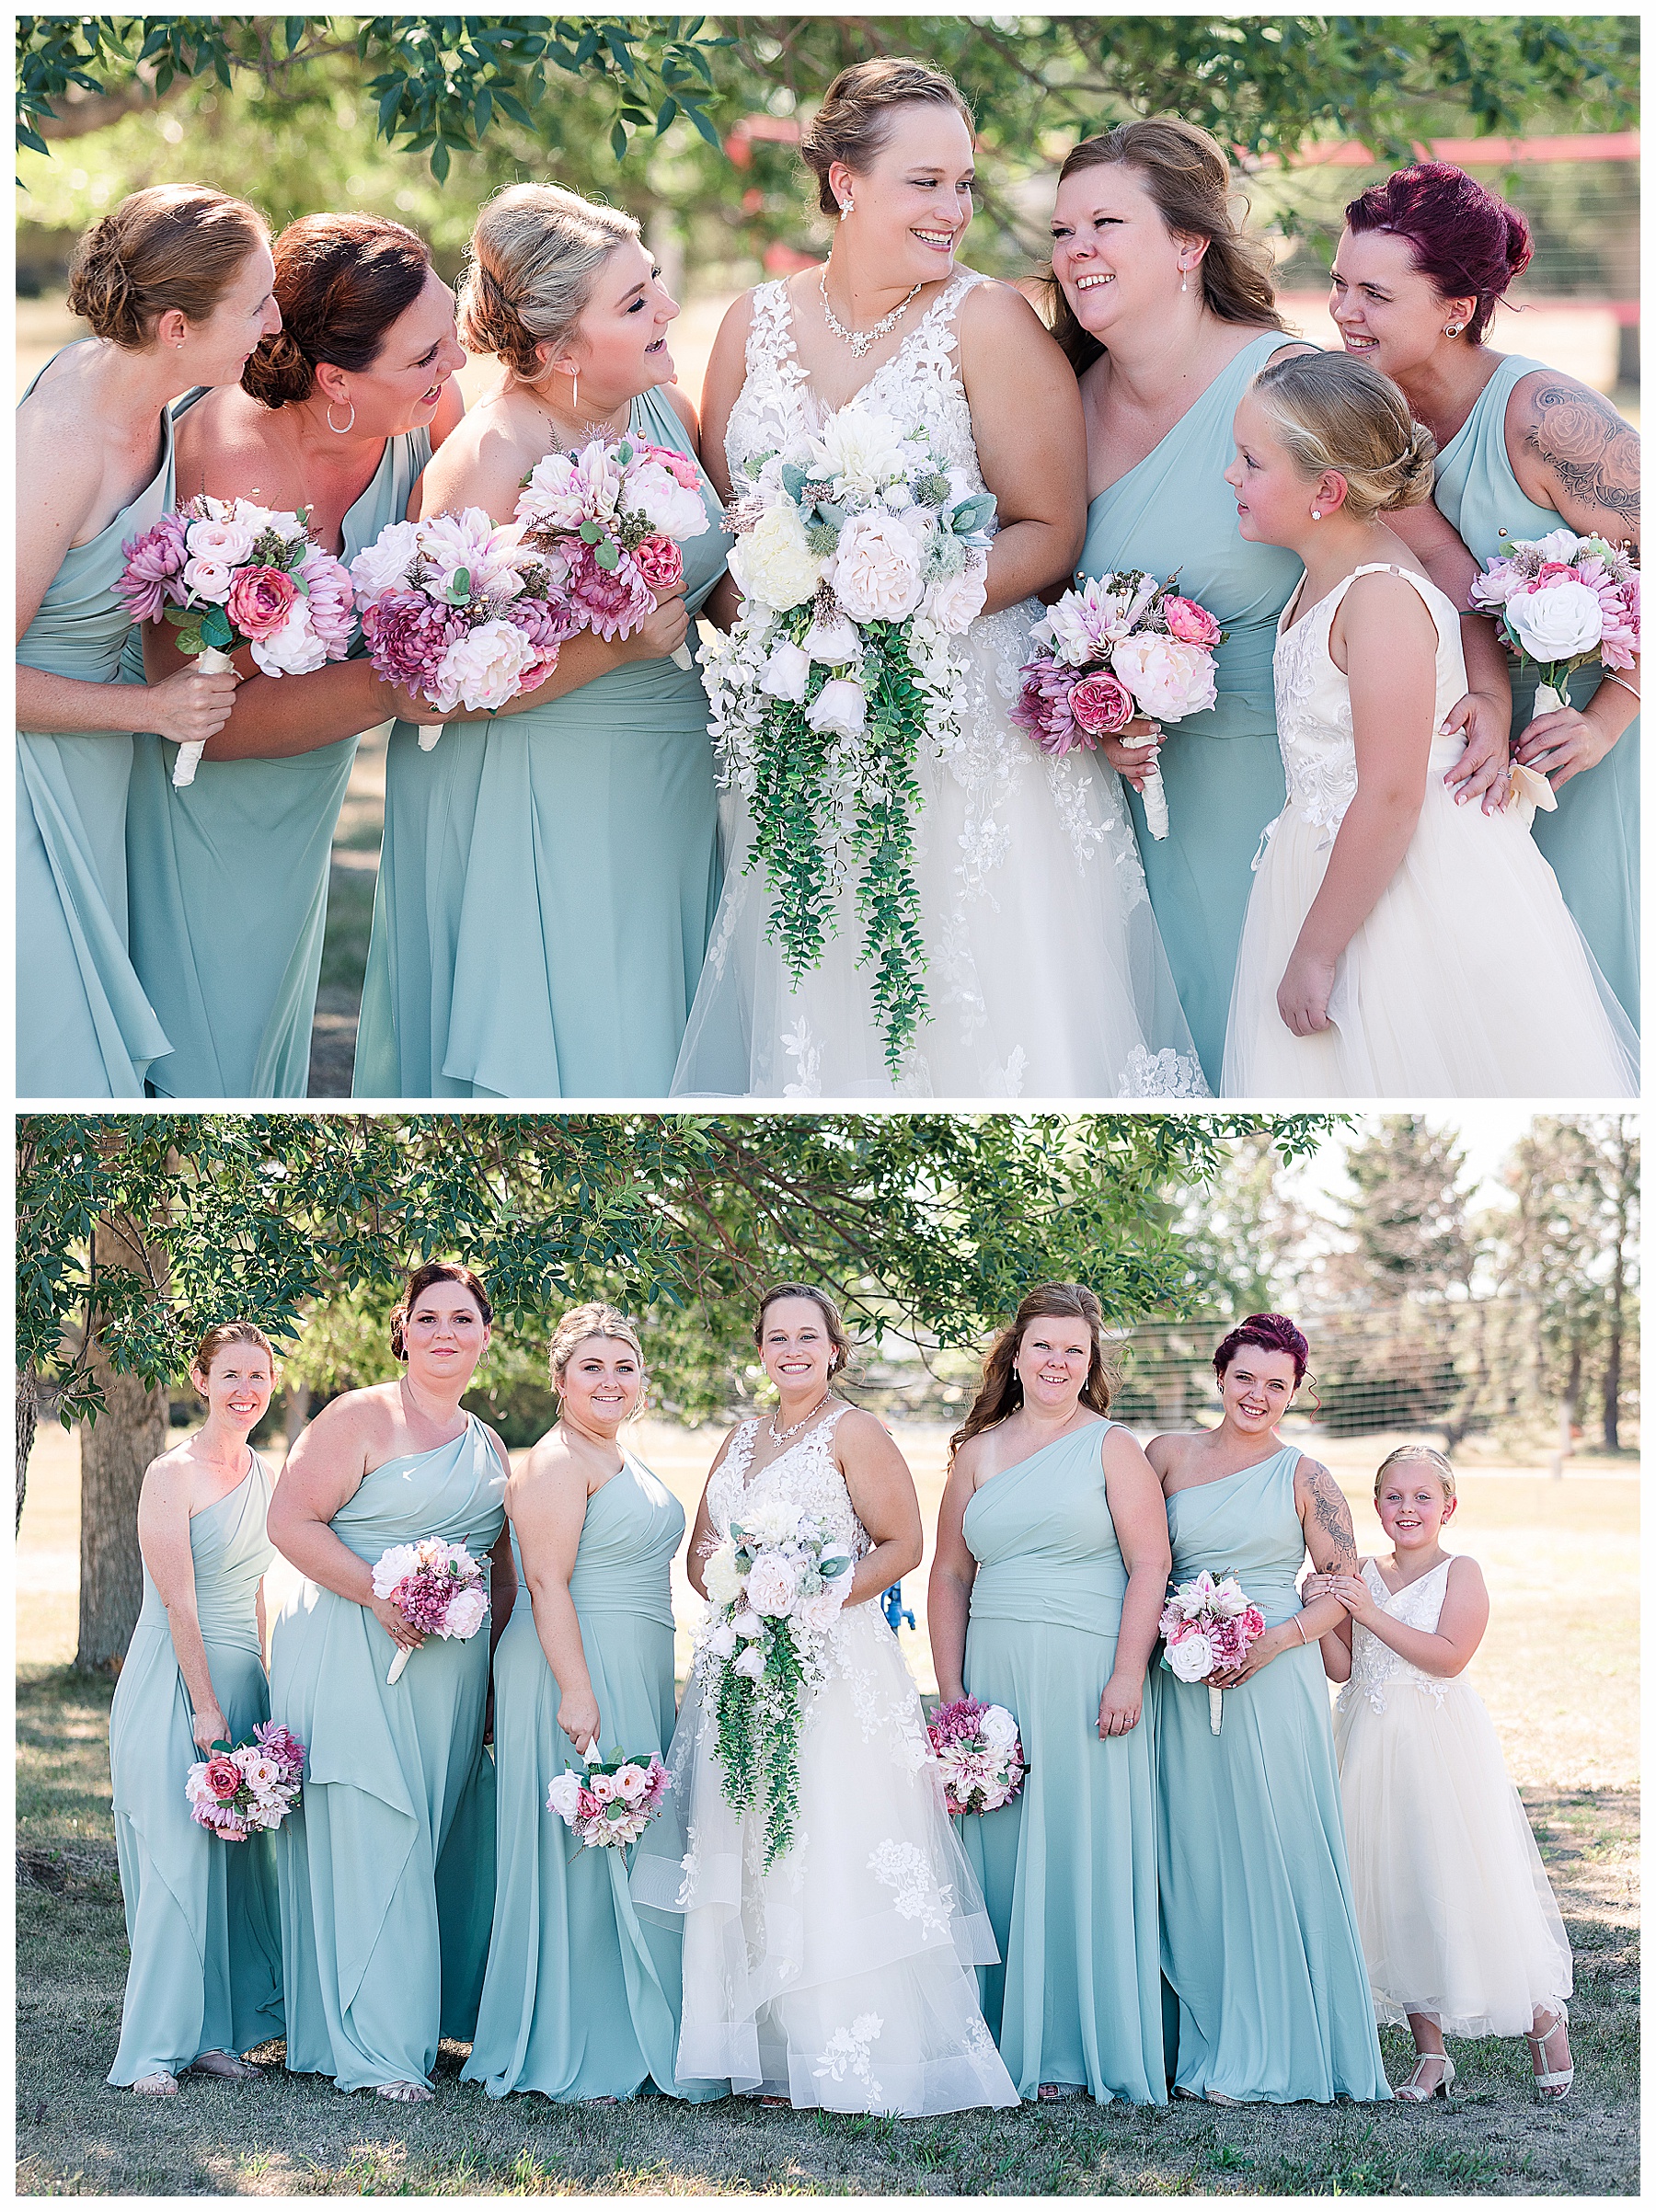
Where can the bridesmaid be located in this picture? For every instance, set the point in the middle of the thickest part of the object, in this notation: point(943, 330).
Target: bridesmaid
point(336, 413)
point(1050, 1569)
point(581, 1997)
point(1259, 1942)
point(1165, 306)
point(175, 284)
point(1521, 450)
point(387, 1872)
point(598, 802)
point(205, 1977)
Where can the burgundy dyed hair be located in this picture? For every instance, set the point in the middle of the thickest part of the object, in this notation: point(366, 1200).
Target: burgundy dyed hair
point(1465, 238)
point(1269, 1333)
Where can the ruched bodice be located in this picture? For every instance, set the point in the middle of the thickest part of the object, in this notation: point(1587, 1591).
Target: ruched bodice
point(231, 1554)
point(1247, 1525)
point(633, 1526)
point(1044, 1542)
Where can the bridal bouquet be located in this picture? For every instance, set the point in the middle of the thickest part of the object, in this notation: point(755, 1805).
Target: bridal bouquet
point(1122, 646)
point(616, 1802)
point(861, 554)
point(458, 611)
point(775, 1589)
point(1208, 1625)
point(228, 573)
point(240, 1789)
point(981, 1755)
point(616, 515)
point(1562, 601)
point(437, 1586)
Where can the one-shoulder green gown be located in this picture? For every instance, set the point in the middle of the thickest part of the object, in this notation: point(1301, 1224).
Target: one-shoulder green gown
point(387, 1874)
point(1068, 1868)
point(548, 881)
point(1174, 512)
point(1260, 1940)
point(201, 1915)
point(85, 1028)
point(228, 876)
point(1591, 840)
point(581, 1995)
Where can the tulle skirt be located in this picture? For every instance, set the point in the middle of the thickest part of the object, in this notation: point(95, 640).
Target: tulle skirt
point(1045, 975)
point(1457, 1919)
point(1468, 979)
point(843, 1977)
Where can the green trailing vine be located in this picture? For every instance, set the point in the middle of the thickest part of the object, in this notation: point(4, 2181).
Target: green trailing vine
point(757, 1744)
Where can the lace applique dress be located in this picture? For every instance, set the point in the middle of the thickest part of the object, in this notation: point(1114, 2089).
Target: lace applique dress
point(1455, 1913)
point(843, 1977)
point(1045, 973)
point(1468, 979)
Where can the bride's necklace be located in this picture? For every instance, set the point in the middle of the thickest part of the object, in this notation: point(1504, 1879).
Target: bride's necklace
point(860, 340)
point(783, 1436)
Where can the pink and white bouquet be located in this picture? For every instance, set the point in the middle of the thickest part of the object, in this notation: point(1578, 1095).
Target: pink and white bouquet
point(1561, 602)
point(980, 1753)
point(436, 1586)
point(239, 1790)
point(228, 573)
point(616, 515)
point(1120, 646)
point(615, 1802)
point(457, 610)
point(1208, 1625)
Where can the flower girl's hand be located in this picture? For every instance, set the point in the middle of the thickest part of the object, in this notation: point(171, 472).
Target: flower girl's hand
point(1120, 1706)
point(578, 1717)
point(1303, 995)
point(1135, 763)
point(1481, 771)
point(1352, 1592)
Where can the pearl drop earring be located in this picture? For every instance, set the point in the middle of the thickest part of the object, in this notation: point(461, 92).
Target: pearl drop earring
point(845, 207)
point(1184, 277)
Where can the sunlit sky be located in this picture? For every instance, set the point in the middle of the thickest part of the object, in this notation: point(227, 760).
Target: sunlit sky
point(1486, 1132)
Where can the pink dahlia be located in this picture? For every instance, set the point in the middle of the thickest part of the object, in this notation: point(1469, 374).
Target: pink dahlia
point(154, 561)
point(1044, 706)
point(613, 601)
point(408, 635)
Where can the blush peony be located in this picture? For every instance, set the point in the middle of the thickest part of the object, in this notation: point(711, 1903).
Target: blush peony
point(1167, 679)
point(293, 650)
point(771, 1586)
point(879, 571)
point(483, 669)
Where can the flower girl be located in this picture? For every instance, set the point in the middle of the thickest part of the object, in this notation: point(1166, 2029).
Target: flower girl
point(1458, 1923)
point(1396, 941)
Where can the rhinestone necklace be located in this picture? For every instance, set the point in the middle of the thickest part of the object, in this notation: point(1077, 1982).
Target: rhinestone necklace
point(860, 340)
point(799, 1424)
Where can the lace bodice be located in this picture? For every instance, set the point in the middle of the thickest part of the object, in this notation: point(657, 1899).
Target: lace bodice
point(804, 1475)
point(1314, 699)
point(1375, 1667)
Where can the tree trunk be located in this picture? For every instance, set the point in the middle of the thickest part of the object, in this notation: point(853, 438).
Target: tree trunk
point(26, 1415)
point(115, 1450)
point(298, 1411)
point(1618, 1289)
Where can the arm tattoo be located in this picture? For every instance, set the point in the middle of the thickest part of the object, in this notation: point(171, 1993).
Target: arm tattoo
point(1332, 1516)
point(1590, 452)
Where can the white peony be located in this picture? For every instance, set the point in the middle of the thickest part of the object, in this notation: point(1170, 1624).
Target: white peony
point(394, 1566)
point(563, 1794)
point(820, 1610)
point(955, 602)
point(832, 641)
point(229, 544)
point(863, 450)
point(653, 490)
point(786, 673)
point(1192, 1658)
point(1167, 678)
point(772, 562)
point(878, 572)
point(467, 1612)
point(484, 669)
point(751, 1663)
point(385, 564)
point(840, 707)
point(1555, 623)
point(998, 1729)
point(721, 1577)
point(773, 1585)
point(208, 579)
point(294, 649)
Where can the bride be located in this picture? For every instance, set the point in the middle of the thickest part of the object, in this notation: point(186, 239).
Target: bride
point(843, 1976)
point(1044, 971)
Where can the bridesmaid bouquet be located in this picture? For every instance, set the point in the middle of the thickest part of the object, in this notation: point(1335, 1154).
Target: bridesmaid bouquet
point(980, 1753)
point(1122, 646)
point(1562, 601)
point(775, 1589)
point(456, 609)
point(616, 515)
point(243, 1788)
point(1208, 1625)
point(862, 557)
point(228, 573)
point(438, 1585)
point(615, 1804)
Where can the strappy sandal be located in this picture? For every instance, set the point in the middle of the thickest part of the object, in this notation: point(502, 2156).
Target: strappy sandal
point(222, 2066)
point(404, 2092)
point(1552, 2086)
point(155, 2085)
point(1054, 2092)
point(1412, 2092)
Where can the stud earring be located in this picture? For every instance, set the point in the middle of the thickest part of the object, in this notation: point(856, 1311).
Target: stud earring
point(1452, 330)
point(1317, 514)
point(845, 207)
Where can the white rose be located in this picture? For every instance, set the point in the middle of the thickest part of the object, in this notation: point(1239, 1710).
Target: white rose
point(1192, 1658)
point(294, 649)
point(483, 669)
point(1553, 624)
point(772, 562)
point(563, 1794)
point(773, 1586)
point(879, 571)
point(998, 1729)
point(751, 1663)
point(863, 450)
point(208, 579)
point(384, 564)
point(723, 1642)
point(786, 673)
point(721, 1577)
point(896, 497)
point(955, 602)
point(833, 642)
point(229, 542)
point(747, 1624)
point(839, 707)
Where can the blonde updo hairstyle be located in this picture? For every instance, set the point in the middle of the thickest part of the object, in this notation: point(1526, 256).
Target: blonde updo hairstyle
point(1333, 412)
point(824, 1305)
point(854, 119)
point(217, 1337)
point(533, 266)
point(1001, 1390)
point(581, 1322)
point(177, 246)
point(1428, 1457)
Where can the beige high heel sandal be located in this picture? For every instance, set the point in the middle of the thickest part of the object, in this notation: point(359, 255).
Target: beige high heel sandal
point(1554, 2086)
point(1412, 2092)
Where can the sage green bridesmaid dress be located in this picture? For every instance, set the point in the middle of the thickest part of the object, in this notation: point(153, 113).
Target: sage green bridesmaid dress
point(1068, 1868)
point(1591, 840)
point(387, 1873)
point(85, 1027)
point(228, 877)
point(548, 881)
point(1260, 1942)
point(201, 1915)
point(1173, 512)
point(581, 1995)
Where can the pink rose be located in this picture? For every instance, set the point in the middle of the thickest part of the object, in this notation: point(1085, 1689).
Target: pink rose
point(223, 1777)
point(1555, 572)
point(660, 563)
point(1191, 624)
point(1101, 704)
point(260, 599)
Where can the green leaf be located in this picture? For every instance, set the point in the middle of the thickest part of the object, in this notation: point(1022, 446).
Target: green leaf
point(216, 628)
point(607, 557)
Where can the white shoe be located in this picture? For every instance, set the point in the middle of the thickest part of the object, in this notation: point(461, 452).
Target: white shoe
point(1412, 2092)
point(1554, 2086)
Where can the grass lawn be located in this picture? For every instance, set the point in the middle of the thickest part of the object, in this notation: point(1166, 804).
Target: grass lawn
point(1557, 1670)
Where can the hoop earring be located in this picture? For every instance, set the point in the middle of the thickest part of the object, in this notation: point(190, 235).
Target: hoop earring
point(339, 430)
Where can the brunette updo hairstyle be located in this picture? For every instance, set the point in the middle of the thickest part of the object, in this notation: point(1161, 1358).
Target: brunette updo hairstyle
point(1266, 1333)
point(854, 119)
point(172, 246)
point(1185, 172)
point(826, 1306)
point(533, 263)
point(1001, 1393)
point(342, 281)
point(1332, 410)
point(419, 1282)
point(578, 1325)
point(229, 1332)
point(1467, 240)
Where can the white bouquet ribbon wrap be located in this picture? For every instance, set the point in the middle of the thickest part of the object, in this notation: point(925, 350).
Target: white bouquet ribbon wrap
point(190, 756)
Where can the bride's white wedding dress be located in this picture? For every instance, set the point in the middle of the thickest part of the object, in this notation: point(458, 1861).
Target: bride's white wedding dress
point(1045, 975)
point(843, 1977)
